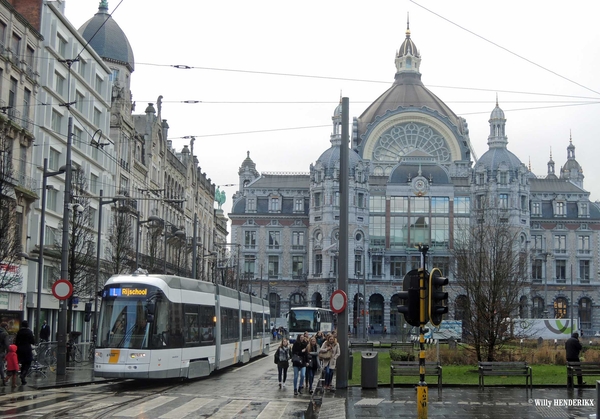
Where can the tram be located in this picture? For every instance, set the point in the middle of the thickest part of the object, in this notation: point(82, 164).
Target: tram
point(309, 319)
point(161, 326)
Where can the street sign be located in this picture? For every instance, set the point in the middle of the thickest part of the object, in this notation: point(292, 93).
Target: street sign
point(338, 301)
point(62, 289)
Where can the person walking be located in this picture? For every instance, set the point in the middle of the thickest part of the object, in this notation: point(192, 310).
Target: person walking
point(329, 353)
point(282, 359)
point(299, 361)
point(24, 341)
point(12, 365)
point(573, 348)
point(4, 344)
point(45, 332)
point(313, 362)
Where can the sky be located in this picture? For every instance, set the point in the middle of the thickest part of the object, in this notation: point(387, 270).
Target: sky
point(269, 74)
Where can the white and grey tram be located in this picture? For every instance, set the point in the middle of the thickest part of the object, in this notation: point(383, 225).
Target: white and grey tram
point(160, 326)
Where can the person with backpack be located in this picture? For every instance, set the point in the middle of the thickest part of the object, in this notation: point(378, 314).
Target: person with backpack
point(4, 344)
point(25, 341)
point(282, 359)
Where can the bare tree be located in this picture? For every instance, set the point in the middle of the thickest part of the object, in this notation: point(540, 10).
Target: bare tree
point(153, 248)
point(10, 277)
point(490, 276)
point(82, 242)
point(121, 249)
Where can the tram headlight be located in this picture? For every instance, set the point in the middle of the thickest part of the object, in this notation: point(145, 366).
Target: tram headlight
point(135, 355)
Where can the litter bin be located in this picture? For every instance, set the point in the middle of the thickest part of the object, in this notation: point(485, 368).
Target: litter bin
point(369, 369)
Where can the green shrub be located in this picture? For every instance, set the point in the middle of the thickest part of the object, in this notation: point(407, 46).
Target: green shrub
point(398, 355)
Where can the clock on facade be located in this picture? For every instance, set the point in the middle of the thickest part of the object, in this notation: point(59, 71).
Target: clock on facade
point(420, 185)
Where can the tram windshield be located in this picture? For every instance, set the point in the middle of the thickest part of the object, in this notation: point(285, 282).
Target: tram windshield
point(309, 320)
point(123, 318)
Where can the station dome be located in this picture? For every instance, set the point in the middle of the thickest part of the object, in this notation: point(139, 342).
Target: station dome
point(108, 39)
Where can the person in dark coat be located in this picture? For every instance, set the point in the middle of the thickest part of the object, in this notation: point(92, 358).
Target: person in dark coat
point(24, 341)
point(573, 348)
point(45, 332)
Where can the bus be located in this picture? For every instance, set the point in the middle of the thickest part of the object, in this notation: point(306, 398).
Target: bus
point(309, 319)
point(161, 326)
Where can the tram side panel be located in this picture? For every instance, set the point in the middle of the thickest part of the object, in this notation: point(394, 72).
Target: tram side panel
point(246, 315)
point(229, 327)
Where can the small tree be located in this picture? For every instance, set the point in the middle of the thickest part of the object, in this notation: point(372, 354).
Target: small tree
point(10, 277)
point(490, 276)
point(121, 247)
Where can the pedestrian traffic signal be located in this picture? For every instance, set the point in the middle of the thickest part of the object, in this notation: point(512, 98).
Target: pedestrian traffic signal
point(438, 298)
point(409, 298)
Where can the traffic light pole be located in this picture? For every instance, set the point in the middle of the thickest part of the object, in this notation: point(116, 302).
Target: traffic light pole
point(423, 314)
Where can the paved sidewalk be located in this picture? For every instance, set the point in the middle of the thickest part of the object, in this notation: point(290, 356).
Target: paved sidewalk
point(462, 402)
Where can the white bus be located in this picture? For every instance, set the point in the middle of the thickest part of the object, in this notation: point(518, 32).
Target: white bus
point(159, 326)
point(309, 319)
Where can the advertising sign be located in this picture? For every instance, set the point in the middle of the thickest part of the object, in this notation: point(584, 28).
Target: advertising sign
point(544, 328)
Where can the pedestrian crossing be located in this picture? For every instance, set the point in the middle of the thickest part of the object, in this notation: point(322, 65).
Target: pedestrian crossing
point(78, 404)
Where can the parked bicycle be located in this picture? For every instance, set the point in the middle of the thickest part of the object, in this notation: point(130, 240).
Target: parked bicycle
point(46, 353)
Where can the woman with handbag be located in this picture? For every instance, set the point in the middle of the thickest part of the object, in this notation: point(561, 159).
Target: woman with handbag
point(299, 361)
point(282, 359)
point(313, 362)
point(329, 353)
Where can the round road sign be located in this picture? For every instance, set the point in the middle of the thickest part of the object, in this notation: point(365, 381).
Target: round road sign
point(338, 301)
point(62, 289)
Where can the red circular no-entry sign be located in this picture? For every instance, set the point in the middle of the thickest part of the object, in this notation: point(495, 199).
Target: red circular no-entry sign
point(338, 301)
point(62, 289)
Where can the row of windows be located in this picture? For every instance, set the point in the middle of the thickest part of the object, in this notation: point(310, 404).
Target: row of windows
point(420, 204)
point(274, 239)
point(559, 242)
point(560, 209)
point(319, 201)
point(538, 270)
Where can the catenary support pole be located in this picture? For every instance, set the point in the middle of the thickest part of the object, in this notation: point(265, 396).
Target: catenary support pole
point(342, 327)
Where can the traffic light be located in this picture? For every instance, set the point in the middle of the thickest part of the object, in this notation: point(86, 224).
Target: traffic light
point(438, 298)
point(409, 297)
point(88, 312)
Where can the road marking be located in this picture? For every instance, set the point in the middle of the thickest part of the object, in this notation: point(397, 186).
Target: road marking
point(29, 402)
point(273, 410)
point(186, 409)
point(230, 410)
point(145, 407)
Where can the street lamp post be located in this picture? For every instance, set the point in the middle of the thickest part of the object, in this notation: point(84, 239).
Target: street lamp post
point(177, 233)
point(150, 219)
point(100, 203)
point(61, 353)
point(40, 259)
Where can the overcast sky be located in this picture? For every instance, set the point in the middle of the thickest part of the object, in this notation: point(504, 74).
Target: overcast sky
point(542, 59)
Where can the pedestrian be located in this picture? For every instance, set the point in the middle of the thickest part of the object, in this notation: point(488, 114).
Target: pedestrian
point(299, 361)
point(282, 359)
point(4, 344)
point(384, 330)
point(329, 353)
point(320, 338)
point(313, 362)
point(24, 341)
point(45, 332)
point(573, 348)
point(12, 365)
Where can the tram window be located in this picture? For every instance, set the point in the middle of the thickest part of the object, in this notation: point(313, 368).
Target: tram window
point(207, 325)
point(191, 330)
point(175, 332)
point(246, 325)
point(230, 325)
point(257, 325)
